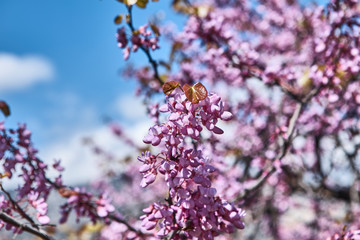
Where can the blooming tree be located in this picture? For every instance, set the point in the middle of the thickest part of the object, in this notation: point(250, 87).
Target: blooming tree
point(255, 134)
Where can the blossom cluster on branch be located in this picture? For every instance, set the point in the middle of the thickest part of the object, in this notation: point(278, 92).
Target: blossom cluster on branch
point(261, 114)
point(20, 163)
point(192, 209)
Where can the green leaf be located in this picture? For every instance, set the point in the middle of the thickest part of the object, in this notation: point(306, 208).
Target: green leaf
point(118, 19)
point(170, 86)
point(5, 109)
point(195, 93)
point(142, 3)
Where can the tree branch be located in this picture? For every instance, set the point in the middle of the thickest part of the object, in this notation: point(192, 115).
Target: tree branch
point(131, 228)
point(37, 232)
point(18, 208)
point(153, 63)
point(290, 132)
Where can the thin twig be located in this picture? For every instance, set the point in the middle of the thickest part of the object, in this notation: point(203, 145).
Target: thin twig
point(131, 228)
point(290, 131)
point(8, 219)
point(153, 63)
point(18, 208)
point(57, 187)
point(249, 192)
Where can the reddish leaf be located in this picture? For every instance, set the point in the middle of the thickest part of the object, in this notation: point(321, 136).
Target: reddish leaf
point(200, 91)
point(165, 64)
point(169, 86)
point(155, 29)
point(118, 19)
point(4, 108)
point(195, 93)
point(142, 3)
point(6, 174)
point(66, 192)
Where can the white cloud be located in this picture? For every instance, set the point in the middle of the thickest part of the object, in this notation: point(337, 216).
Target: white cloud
point(81, 164)
point(66, 141)
point(139, 130)
point(21, 72)
point(79, 161)
point(130, 107)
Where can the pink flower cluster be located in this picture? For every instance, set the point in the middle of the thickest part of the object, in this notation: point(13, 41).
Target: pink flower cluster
point(85, 205)
point(142, 38)
point(41, 207)
point(350, 235)
point(19, 157)
point(6, 207)
point(192, 209)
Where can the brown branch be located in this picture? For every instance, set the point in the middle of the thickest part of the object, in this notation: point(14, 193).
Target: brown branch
point(9, 219)
point(131, 228)
point(290, 132)
point(251, 191)
point(288, 141)
point(18, 208)
point(153, 63)
point(56, 186)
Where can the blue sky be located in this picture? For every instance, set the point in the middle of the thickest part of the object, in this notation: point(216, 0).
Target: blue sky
point(78, 39)
point(67, 53)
